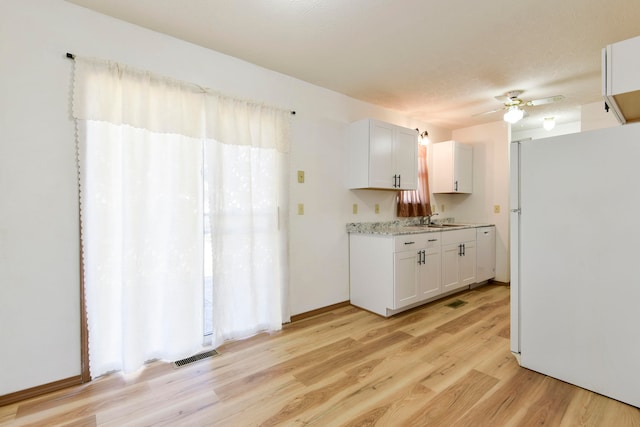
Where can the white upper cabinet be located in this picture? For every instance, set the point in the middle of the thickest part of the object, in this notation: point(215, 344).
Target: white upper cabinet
point(382, 156)
point(452, 170)
point(620, 79)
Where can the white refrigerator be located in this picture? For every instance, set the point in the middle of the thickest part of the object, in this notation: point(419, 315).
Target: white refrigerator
point(575, 259)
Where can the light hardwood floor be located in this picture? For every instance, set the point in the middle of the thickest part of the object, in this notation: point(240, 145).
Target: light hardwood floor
point(434, 365)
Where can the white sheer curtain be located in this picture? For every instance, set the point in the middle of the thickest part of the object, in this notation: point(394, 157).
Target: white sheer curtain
point(140, 203)
point(140, 139)
point(246, 162)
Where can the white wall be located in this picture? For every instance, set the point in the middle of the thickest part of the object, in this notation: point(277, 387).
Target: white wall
point(490, 187)
point(39, 267)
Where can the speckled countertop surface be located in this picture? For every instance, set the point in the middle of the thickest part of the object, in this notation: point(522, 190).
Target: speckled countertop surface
point(406, 226)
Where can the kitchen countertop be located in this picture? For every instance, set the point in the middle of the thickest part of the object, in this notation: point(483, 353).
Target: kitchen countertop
point(406, 226)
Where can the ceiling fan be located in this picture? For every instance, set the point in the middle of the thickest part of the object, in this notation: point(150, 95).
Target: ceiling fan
point(514, 105)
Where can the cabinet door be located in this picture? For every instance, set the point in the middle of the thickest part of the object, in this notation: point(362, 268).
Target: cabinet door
point(467, 264)
point(485, 253)
point(406, 158)
point(463, 169)
point(452, 167)
point(442, 178)
point(381, 155)
point(450, 255)
point(405, 278)
point(430, 277)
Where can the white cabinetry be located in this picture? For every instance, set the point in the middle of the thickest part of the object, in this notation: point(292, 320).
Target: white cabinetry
point(458, 259)
point(429, 271)
point(620, 81)
point(382, 156)
point(452, 167)
point(406, 261)
point(388, 273)
point(486, 253)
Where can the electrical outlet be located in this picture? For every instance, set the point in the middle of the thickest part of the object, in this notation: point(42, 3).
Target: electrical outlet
point(496, 208)
point(300, 177)
point(355, 208)
point(377, 208)
point(300, 208)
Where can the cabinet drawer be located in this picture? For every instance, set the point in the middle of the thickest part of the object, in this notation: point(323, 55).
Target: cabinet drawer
point(457, 236)
point(433, 240)
point(410, 241)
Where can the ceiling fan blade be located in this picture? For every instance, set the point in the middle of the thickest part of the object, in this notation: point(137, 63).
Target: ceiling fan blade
point(544, 101)
point(488, 112)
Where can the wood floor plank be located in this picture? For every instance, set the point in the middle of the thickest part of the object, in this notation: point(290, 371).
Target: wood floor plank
point(593, 410)
point(440, 313)
point(81, 409)
point(550, 405)
point(89, 421)
point(454, 401)
point(465, 321)
point(507, 404)
point(392, 380)
point(320, 395)
point(8, 413)
point(433, 364)
point(303, 361)
point(314, 373)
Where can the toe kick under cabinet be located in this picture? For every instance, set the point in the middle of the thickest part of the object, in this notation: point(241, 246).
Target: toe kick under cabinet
point(392, 273)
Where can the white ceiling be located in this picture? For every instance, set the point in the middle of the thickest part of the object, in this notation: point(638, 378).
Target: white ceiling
point(439, 61)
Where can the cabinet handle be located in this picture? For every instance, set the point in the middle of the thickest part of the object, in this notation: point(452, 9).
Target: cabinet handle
point(464, 250)
point(421, 258)
point(460, 250)
point(456, 186)
point(424, 257)
point(399, 181)
point(409, 243)
point(432, 240)
point(395, 181)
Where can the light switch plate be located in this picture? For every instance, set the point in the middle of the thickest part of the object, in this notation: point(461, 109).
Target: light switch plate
point(496, 209)
point(355, 208)
point(377, 208)
point(300, 177)
point(300, 208)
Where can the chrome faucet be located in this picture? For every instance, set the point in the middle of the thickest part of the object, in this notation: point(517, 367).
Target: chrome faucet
point(426, 220)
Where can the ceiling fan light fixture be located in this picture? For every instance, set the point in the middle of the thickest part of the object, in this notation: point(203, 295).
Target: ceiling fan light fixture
point(549, 123)
point(513, 114)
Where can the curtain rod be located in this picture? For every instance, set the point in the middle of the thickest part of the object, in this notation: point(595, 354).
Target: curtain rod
point(72, 56)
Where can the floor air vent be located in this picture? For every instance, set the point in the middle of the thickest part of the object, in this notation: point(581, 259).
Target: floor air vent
point(457, 303)
point(192, 359)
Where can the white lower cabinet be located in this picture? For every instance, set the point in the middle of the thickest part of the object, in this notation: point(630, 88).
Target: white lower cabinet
point(417, 271)
point(458, 259)
point(486, 253)
point(429, 271)
point(405, 279)
point(407, 260)
point(389, 273)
